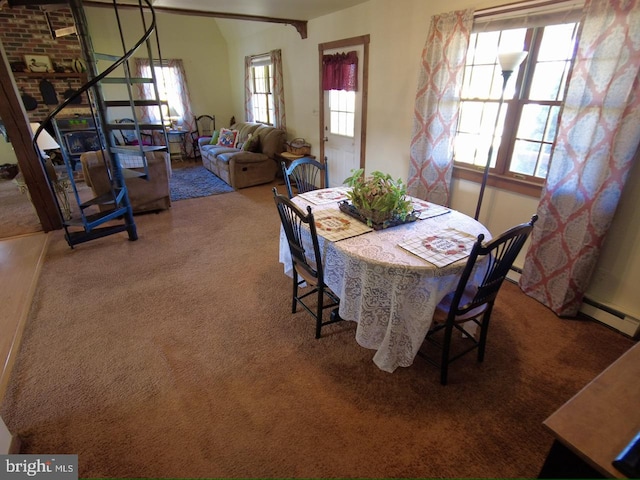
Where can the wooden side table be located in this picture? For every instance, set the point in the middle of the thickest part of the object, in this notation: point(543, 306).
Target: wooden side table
point(60, 185)
point(287, 158)
point(597, 423)
point(177, 147)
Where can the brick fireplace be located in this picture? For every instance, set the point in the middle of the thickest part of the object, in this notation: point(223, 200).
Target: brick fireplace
point(24, 30)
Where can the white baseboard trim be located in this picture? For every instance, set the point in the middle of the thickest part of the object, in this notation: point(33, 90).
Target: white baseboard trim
point(620, 321)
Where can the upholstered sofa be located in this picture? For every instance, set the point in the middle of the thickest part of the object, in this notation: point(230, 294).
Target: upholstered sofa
point(241, 168)
point(145, 195)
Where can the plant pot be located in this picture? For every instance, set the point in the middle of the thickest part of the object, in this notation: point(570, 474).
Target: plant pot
point(375, 219)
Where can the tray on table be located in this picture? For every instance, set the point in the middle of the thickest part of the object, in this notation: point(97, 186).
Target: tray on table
point(349, 209)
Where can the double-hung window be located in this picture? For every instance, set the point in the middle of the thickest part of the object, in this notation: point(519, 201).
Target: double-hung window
point(262, 89)
point(533, 98)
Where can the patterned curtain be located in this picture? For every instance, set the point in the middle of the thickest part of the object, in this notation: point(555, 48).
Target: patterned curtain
point(598, 137)
point(340, 71)
point(436, 106)
point(174, 82)
point(248, 90)
point(279, 117)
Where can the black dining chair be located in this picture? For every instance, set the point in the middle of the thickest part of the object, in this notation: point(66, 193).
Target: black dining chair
point(305, 173)
point(205, 126)
point(307, 265)
point(471, 303)
point(129, 136)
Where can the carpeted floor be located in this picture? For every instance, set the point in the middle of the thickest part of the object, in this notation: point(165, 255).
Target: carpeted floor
point(17, 215)
point(194, 182)
point(177, 356)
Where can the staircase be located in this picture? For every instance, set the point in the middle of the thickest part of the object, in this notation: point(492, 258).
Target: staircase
point(111, 213)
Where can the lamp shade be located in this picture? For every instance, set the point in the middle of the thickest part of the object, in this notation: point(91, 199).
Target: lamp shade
point(45, 141)
point(509, 61)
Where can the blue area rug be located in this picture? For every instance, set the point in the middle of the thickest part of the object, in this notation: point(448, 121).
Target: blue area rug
point(193, 182)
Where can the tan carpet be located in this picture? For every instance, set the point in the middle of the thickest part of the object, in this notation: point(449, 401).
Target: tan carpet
point(177, 356)
point(17, 215)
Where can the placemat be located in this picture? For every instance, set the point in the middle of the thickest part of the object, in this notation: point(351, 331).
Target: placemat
point(335, 225)
point(428, 209)
point(325, 195)
point(441, 248)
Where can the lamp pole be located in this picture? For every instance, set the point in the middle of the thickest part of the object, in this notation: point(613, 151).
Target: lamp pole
point(508, 61)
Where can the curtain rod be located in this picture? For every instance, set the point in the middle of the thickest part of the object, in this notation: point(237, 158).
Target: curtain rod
point(526, 5)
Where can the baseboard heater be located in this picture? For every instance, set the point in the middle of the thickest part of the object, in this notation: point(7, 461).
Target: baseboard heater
point(597, 311)
point(619, 320)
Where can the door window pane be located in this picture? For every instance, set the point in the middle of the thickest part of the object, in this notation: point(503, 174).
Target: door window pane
point(342, 107)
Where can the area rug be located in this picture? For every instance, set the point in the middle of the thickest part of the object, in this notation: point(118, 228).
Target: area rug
point(195, 182)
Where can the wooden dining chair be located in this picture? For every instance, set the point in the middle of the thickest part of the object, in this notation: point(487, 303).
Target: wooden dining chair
point(305, 173)
point(129, 136)
point(474, 303)
point(205, 126)
point(307, 265)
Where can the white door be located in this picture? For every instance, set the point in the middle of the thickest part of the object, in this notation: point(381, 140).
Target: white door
point(342, 129)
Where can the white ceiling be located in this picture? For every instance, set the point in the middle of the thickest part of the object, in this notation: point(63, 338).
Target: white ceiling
point(288, 9)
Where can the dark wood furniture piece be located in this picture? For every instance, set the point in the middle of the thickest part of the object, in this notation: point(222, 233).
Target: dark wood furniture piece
point(469, 303)
point(593, 427)
point(205, 126)
point(308, 265)
point(306, 174)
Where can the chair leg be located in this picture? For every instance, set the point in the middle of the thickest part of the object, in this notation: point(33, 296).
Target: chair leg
point(294, 301)
point(482, 343)
point(444, 362)
point(319, 311)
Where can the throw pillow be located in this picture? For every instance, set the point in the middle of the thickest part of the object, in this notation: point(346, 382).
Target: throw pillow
point(252, 144)
point(227, 137)
point(214, 138)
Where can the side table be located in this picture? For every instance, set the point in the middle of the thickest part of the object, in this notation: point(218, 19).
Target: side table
point(60, 183)
point(177, 147)
point(288, 158)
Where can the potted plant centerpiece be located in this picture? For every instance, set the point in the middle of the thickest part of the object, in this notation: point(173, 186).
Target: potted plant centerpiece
point(378, 200)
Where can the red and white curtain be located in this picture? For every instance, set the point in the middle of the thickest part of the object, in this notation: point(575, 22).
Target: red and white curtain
point(598, 137)
point(340, 71)
point(437, 106)
point(172, 80)
point(248, 90)
point(279, 117)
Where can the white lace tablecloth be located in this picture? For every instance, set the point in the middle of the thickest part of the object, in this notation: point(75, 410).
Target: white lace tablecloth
point(390, 292)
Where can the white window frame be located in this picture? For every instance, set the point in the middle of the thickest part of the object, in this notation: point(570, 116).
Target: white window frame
point(262, 100)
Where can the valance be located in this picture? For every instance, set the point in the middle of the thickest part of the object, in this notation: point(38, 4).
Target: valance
point(340, 71)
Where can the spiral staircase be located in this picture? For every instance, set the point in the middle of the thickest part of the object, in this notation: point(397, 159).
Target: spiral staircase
point(112, 212)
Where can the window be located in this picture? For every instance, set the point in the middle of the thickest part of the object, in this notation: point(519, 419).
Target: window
point(172, 92)
point(342, 108)
point(262, 89)
point(534, 93)
point(169, 96)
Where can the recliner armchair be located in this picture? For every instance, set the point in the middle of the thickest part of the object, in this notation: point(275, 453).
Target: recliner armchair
point(145, 195)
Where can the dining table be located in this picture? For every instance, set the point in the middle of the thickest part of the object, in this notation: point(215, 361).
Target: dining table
point(389, 280)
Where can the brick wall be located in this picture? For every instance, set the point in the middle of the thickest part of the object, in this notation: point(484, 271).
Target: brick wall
point(24, 31)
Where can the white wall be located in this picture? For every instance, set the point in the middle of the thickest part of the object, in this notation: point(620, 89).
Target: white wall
point(195, 40)
point(7, 155)
point(5, 438)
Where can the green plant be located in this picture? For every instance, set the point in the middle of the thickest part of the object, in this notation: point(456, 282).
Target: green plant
point(378, 194)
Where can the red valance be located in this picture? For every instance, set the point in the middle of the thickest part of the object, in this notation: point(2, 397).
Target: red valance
point(340, 71)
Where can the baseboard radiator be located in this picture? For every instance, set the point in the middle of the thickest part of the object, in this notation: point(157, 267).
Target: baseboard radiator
point(597, 311)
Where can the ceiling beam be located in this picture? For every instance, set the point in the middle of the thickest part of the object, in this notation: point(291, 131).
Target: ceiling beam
point(299, 25)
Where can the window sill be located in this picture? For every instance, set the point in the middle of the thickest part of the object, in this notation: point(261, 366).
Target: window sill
point(498, 181)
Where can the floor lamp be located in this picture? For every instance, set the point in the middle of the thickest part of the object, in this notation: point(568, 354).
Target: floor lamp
point(509, 61)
